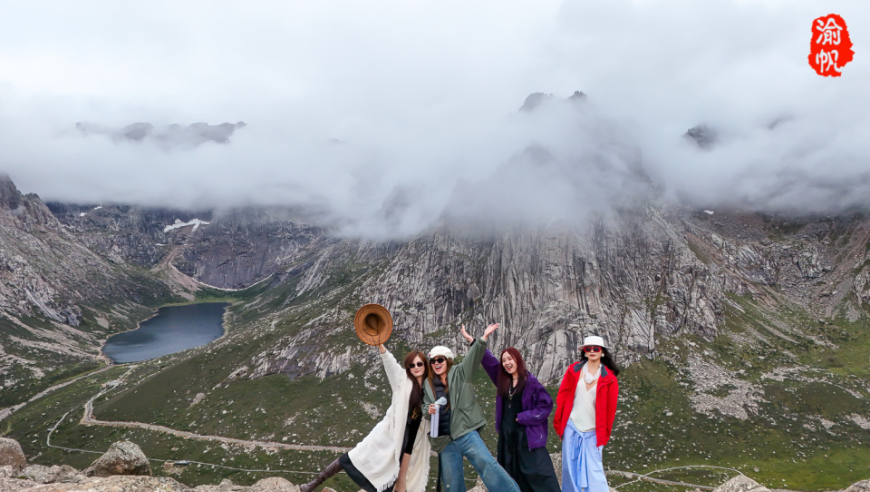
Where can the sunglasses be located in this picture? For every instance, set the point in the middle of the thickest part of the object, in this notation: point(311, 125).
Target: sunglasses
point(591, 349)
point(437, 360)
point(416, 364)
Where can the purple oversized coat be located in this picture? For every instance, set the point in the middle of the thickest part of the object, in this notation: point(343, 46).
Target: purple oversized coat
point(537, 404)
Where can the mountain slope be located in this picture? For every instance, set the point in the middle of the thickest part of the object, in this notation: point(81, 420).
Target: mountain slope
point(58, 299)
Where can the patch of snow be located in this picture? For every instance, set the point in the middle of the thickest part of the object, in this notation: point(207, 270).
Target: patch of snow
point(98, 207)
point(708, 212)
point(82, 214)
point(179, 224)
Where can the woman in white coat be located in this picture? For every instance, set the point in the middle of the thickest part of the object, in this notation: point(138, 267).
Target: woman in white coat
point(394, 456)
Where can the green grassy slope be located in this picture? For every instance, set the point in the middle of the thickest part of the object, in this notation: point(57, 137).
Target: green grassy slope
point(136, 297)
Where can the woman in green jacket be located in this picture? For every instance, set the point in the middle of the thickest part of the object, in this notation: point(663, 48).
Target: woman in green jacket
point(460, 419)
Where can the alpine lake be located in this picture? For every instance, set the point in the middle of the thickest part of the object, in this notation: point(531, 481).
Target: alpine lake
point(173, 329)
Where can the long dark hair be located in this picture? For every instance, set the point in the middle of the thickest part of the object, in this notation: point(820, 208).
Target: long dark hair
point(417, 391)
point(606, 359)
point(505, 380)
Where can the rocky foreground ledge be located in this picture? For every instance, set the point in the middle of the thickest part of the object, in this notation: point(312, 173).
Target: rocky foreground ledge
point(125, 468)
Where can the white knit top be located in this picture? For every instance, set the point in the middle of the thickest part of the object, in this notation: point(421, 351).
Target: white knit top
point(583, 411)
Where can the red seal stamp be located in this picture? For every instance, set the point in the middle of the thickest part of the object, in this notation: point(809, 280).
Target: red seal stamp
point(830, 46)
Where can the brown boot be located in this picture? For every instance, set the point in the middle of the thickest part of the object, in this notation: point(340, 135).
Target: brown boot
point(325, 475)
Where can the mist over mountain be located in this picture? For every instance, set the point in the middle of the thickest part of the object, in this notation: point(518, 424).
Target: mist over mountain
point(384, 124)
point(563, 159)
point(168, 137)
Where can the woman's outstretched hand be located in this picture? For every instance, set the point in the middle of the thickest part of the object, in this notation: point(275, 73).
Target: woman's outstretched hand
point(382, 349)
point(489, 329)
point(468, 338)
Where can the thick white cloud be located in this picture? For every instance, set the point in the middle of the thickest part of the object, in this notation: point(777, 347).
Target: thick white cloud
point(386, 113)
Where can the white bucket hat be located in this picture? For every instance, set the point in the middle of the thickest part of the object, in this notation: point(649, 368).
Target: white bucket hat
point(442, 351)
point(593, 340)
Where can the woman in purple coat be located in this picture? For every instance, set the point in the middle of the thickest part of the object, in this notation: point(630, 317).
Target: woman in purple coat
point(522, 409)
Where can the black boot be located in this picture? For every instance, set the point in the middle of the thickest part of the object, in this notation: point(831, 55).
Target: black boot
point(325, 475)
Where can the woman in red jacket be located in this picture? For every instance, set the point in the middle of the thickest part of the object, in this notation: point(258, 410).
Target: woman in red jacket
point(585, 408)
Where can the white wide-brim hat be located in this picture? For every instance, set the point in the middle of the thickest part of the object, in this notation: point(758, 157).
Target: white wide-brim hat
point(593, 340)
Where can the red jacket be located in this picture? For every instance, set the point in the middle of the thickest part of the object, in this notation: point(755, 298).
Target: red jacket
point(605, 401)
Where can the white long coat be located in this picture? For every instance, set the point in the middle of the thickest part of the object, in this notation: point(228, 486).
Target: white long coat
point(379, 455)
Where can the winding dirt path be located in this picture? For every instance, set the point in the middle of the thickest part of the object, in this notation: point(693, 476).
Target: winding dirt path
point(647, 478)
point(89, 419)
point(9, 411)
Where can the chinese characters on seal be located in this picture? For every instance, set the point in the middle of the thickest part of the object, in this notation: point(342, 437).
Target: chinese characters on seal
point(830, 46)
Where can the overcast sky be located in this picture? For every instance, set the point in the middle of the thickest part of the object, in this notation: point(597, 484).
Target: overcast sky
point(387, 113)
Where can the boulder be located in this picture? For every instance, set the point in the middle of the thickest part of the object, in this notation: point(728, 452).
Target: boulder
point(226, 485)
point(118, 484)
point(122, 458)
point(11, 454)
point(741, 483)
point(274, 484)
point(14, 484)
point(170, 468)
point(53, 474)
point(862, 486)
point(8, 471)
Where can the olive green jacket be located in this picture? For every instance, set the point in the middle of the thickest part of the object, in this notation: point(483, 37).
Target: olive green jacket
point(465, 413)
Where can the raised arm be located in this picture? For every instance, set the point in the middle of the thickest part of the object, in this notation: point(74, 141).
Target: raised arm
point(395, 371)
point(491, 365)
point(475, 355)
point(489, 362)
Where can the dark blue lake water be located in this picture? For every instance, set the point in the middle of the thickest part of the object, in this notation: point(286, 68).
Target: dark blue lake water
point(175, 328)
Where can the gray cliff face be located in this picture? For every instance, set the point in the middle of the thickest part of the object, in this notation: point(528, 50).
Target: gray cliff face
point(234, 250)
point(657, 272)
point(549, 288)
point(124, 233)
point(242, 247)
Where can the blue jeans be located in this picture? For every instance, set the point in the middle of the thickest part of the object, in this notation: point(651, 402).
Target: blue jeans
point(472, 447)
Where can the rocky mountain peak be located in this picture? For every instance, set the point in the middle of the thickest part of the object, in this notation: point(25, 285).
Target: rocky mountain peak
point(168, 136)
point(10, 197)
point(27, 209)
point(702, 135)
point(534, 100)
